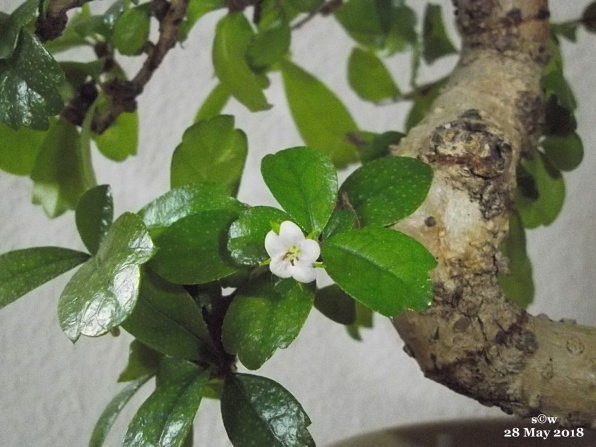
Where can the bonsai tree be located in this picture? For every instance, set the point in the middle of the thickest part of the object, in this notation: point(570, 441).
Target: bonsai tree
point(426, 227)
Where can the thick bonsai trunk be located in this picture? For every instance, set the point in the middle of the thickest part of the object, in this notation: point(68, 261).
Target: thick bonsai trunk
point(472, 339)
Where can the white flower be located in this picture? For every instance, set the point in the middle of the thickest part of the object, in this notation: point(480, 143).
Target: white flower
point(292, 255)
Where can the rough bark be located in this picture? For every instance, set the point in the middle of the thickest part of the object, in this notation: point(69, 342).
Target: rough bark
point(472, 339)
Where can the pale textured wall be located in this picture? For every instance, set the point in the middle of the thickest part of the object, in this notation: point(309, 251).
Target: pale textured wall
point(51, 391)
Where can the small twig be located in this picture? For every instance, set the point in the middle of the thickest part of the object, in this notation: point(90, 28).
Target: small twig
point(411, 95)
point(50, 25)
point(124, 93)
point(325, 9)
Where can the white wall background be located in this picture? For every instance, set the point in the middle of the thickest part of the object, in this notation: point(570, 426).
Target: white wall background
point(52, 391)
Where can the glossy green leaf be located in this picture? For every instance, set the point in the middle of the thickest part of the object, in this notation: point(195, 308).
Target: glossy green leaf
point(364, 320)
point(518, 285)
point(214, 103)
point(195, 10)
point(336, 304)
point(18, 149)
point(165, 418)
point(322, 120)
point(369, 77)
point(11, 26)
point(564, 152)
point(305, 5)
point(247, 235)
point(551, 193)
point(211, 151)
point(103, 292)
point(257, 411)
point(120, 140)
point(304, 182)
point(142, 361)
point(167, 319)
point(185, 201)
point(340, 221)
point(29, 86)
point(131, 30)
point(269, 45)
point(436, 42)
point(589, 18)
point(387, 189)
point(383, 269)
point(193, 249)
point(264, 317)
point(94, 215)
point(111, 412)
point(380, 146)
point(21, 271)
point(116, 9)
point(61, 173)
point(232, 38)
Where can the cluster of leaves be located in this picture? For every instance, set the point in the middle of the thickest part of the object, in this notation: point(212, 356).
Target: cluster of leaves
point(186, 276)
point(541, 187)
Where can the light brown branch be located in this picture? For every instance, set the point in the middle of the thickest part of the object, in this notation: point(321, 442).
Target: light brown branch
point(472, 339)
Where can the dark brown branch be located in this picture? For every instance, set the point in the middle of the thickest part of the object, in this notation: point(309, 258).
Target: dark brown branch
point(123, 93)
point(52, 24)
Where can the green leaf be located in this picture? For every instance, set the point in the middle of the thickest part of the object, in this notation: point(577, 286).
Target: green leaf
point(29, 82)
point(111, 412)
point(257, 411)
point(214, 103)
point(322, 120)
point(379, 146)
point(340, 221)
point(103, 292)
point(246, 241)
point(120, 140)
point(558, 120)
point(211, 151)
point(423, 102)
point(564, 152)
point(364, 320)
point(383, 269)
point(142, 361)
point(21, 271)
point(264, 317)
point(193, 249)
point(367, 21)
point(304, 182)
point(387, 189)
point(12, 24)
point(550, 187)
point(436, 43)
point(165, 418)
point(305, 5)
point(369, 77)
point(18, 149)
point(131, 30)
point(195, 10)
point(589, 18)
point(269, 45)
point(185, 201)
point(94, 215)
point(403, 34)
point(568, 30)
point(518, 285)
point(60, 174)
point(232, 39)
point(167, 319)
point(336, 305)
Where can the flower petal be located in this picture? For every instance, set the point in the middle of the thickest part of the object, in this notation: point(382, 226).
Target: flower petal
point(310, 251)
point(274, 245)
point(290, 234)
point(304, 272)
point(280, 267)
